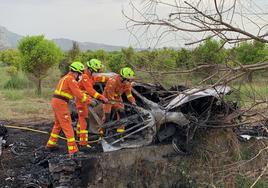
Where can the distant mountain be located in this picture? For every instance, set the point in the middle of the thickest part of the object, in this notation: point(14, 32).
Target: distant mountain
point(66, 44)
point(9, 39)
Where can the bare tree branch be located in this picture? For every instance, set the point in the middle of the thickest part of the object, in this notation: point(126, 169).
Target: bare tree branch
point(201, 17)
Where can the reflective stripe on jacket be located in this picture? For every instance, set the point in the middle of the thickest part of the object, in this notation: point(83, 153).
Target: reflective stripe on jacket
point(87, 82)
point(68, 88)
point(115, 88)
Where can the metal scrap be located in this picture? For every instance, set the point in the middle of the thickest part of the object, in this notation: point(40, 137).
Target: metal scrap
point(257, 131)
point(18, 148)
point(3, 137)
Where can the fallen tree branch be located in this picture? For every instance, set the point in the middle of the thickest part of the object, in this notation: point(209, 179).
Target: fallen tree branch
point(259, 177)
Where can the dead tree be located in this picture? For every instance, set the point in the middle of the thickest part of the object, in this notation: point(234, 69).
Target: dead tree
point(194, 21)
point(232, 21)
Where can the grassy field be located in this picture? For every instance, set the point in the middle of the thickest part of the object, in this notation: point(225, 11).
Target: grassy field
point(24, 103)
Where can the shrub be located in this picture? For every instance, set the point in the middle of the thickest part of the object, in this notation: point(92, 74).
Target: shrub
point(12, 71)
point(17, 82)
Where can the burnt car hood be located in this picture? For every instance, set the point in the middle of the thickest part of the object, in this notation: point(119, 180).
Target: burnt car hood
point(192, 94)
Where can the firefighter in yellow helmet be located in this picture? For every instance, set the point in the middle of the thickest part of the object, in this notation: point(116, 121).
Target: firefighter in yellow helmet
point(66, 90)
point(86, 85)
point(115, 87)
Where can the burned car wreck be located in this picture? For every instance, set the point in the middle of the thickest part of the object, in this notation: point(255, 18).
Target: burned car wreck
point(161, 115)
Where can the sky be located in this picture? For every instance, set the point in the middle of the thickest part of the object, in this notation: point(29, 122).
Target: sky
point(99, 21)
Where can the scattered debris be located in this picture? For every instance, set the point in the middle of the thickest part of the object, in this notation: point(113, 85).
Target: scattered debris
point(18, 148)
point(3, 137)
point(246, 132)
point(65, 172)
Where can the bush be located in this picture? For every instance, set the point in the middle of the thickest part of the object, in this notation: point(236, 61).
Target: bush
point(16, 82)
point(116, 62)
point(12, 71)
point(11, 57)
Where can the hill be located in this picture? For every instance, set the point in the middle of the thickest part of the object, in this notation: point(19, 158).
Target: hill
point(9, 39)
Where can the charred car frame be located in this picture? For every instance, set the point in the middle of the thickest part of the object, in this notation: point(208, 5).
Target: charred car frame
point(161, 115)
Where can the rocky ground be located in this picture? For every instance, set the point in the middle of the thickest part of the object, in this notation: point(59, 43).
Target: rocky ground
point(218, 159)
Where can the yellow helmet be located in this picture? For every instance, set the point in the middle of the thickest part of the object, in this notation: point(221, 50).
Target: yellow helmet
point(77, 66)
point(94, 64)
point(127, 73)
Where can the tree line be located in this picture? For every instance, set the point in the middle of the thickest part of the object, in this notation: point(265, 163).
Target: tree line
point(35, 55)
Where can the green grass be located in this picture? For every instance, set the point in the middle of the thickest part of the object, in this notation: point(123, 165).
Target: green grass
point(247, 94)
point(4, 76)
point(17, 82)
point(22, 102)
point(242, 182)
point(247, 152)
point(16, 105)
point(13, 95)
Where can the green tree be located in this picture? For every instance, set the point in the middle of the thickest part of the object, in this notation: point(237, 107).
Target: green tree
point(184, 58)
point(102, 56)
point(209, 52)
point(38, 55)
point(87, 55)
point(158, 59)
point(250, 53)
point(72, 55)
point(142, 61)
point(74, 52)
point(99, 54)
point(116, 61)
point(129, 56)
point(11, 57)
point(166, 58)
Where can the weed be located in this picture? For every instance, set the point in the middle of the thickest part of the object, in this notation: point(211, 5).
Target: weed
point(17, 82)
point(242, 182)
point(13, 95)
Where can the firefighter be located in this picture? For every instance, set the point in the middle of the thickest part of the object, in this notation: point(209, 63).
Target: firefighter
point(86, 85)
point(115, 87)
point(66, 90)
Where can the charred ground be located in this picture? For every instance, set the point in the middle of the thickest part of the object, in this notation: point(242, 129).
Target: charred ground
point(218, 158)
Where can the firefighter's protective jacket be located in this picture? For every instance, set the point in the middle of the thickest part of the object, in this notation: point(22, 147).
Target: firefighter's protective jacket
point(115, 88)
point(87, 82)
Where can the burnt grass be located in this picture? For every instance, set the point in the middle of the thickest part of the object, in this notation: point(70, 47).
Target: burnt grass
point(19, 166)
point(25, 163)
